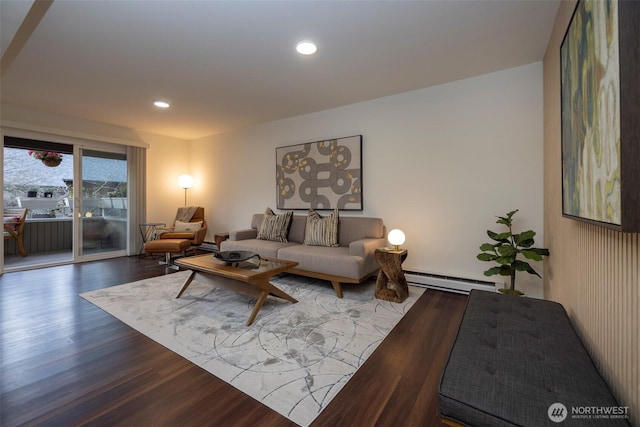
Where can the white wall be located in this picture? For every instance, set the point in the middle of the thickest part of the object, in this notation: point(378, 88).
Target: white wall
point(167, 159)
point(439, 163)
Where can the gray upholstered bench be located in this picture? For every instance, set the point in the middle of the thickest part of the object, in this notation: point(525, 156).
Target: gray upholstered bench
point(515, 357)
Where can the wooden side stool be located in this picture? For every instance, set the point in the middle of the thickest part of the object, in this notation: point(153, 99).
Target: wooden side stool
point(391, 285)
point(220, 237)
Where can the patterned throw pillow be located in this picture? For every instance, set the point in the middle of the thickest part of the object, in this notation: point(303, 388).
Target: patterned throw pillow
point(321, 231)
point(11, 221)
point(275, 227)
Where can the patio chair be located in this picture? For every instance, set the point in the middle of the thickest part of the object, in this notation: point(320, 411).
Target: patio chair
point(14, 219)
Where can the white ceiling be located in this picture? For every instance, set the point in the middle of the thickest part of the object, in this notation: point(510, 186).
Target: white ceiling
point(228, 64)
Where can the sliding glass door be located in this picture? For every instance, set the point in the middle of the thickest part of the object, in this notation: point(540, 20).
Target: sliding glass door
point(77, 207)
point(37, 178)
point(101, 201)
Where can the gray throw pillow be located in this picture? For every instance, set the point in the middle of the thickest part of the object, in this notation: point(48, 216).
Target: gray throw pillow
point(275, 227)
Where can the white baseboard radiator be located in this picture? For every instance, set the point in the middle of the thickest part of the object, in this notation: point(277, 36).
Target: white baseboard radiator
point(207, 246)
point(449, 283)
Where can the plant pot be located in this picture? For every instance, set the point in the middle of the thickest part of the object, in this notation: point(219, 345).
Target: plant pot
point(52, 163)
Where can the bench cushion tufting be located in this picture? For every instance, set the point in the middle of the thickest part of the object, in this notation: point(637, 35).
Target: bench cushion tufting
point(512, 359)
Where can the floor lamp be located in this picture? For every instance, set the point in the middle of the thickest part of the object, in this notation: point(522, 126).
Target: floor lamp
point(185, 181)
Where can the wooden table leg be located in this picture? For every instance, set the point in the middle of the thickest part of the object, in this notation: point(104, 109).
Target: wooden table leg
point(186, 284)
point(266, 289)
point(256, 308)
point(278, 292)
point(260, 289)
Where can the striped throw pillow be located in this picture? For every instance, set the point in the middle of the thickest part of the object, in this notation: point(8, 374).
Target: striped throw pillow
point(275, 227)
point(321, 231)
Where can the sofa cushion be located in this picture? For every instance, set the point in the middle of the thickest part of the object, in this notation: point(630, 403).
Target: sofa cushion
point(326, 260)
point(321, 231)
point(298, 225)
point(181, 226)
point(354, 228)
point(275, 227)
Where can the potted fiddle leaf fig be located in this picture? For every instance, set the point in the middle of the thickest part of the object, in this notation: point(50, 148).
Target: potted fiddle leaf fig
point(505, 249)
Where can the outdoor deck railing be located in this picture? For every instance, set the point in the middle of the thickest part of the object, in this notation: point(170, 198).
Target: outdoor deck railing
point(56, 234)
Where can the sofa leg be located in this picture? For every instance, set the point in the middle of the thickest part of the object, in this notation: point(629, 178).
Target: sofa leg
point(337, 287)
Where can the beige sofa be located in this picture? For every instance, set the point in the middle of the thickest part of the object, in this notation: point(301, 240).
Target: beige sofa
point(351, 262)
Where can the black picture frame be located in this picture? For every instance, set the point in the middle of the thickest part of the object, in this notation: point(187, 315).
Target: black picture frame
point(600, 105)
point(320, 175)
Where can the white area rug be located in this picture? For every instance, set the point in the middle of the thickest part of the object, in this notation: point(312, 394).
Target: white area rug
point(294, 358)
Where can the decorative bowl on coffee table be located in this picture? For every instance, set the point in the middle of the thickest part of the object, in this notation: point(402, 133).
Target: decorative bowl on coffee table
point(230, 257)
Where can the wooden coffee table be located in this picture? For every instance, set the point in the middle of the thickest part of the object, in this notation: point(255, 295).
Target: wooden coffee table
point(247, 278)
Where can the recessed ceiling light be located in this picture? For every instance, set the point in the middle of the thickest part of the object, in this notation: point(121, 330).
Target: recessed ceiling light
point(306, 47)
point(161, 104)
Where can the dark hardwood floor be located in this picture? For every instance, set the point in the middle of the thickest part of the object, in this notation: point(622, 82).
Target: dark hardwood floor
point(65, 362)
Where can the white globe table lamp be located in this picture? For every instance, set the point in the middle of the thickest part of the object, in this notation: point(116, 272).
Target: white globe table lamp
point(396, 238)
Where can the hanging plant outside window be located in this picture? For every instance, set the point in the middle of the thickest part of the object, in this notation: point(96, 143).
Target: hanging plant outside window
point(48, 158)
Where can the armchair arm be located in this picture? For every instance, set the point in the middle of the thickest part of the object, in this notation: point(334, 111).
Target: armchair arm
point(200, 235)
point(159, 231)
point(366, 247)
point(177, 235)
point(196, 237)
point(248, 233)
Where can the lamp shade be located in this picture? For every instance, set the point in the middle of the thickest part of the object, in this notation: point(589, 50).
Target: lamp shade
point(185, 181)
point(396, 237)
